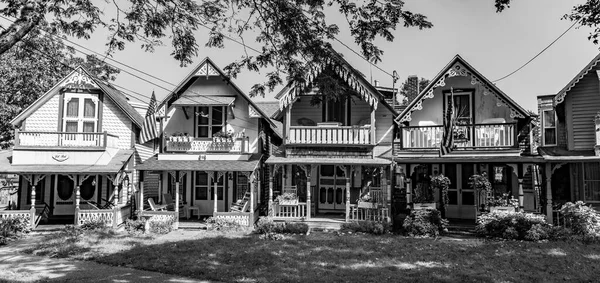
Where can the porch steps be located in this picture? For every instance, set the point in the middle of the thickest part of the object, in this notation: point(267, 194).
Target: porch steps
point(241, 205)
point(192, 225)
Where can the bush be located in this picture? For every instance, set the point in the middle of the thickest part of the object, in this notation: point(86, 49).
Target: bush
point(369, 227)
point(137, 226)
point(93, 225)
point(266, 225)
point(583, 220)
point(513, 225)
point(272, 236)
point(13, 228)
point(428, 222)
point(223, 224)
point(161, 226)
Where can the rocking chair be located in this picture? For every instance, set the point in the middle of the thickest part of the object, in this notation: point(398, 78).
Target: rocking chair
point(170, 203)
point(156, 207)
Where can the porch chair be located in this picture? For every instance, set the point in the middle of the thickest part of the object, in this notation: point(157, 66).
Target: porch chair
point(156, 207)
point(168, 200)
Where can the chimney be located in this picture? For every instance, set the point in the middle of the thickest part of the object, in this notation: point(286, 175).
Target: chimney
point(375, 83)
point(413, 88)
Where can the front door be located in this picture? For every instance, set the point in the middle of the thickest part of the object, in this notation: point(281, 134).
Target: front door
point(461, 196)
point(332, 188)
point(204, 190)
point(64, 196)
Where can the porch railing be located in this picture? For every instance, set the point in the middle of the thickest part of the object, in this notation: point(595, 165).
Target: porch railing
point(161, 216)
point(241, 218)
point(378, 214)
point(502, 135)
point(345, 135)
point(191, 145)
point(64, 139)
point(289, 211)
point(111, 217)
point(29, 215)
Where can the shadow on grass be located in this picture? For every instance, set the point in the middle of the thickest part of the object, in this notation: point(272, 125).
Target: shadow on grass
point(326, 257)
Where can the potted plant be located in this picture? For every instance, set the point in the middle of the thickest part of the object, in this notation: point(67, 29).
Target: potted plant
point(442, 183)
point(287, 199)
point(423, 196)
point(482, 186)
point(366, 201)
point(503, 203)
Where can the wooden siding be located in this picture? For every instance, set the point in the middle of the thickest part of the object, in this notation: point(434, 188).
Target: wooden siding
point(45, 118)
point(116, 122)
point(303, 109)
point(384, 123)
point(582, 105)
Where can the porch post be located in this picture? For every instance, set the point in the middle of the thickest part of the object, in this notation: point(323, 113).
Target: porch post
point(373, 132)
point(115, 192)
point(33, 191)
point(271, 173)
point(252, 188)
point(308, 201)
point(348, 175)
point(548, 169)
point(177, 194)
point(141, 196)
point(521, 194)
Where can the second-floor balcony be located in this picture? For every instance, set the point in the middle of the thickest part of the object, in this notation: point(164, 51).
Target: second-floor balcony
point(203, 145)
point(65, 140)
point(476, 136)
point(325, 134)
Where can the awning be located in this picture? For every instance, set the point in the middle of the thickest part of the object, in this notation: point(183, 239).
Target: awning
point(563, 155)
point(153, 164)
point(328, 161)
point(114, 166)
point(208, 100)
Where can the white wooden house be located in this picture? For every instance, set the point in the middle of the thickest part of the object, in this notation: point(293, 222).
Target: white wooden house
point(73, 151)
point(492, 134)
point(213, 139)
point(334, 152)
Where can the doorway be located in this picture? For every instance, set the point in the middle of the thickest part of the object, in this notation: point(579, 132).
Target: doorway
point(204, 193)
point(461, 197)
point(332, 188)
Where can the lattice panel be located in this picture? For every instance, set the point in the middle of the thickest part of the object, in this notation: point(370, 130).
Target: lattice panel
point(243, 220)
point(106, 216)
point(15, 214)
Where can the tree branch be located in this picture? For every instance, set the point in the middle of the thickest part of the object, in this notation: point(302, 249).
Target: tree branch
point(20, 28)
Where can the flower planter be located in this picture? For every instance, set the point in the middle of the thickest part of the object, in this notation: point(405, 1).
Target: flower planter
point(288, 202)
point(424, 205)
point(502, 208)
point(364, 204)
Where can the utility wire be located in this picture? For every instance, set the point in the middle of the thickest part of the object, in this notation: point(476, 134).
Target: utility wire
point(537, 55)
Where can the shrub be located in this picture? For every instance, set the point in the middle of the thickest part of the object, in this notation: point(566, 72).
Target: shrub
point(224, 224)
point(512, 225)
point(369, 227)
point(93, 225)
point(266, 225)
point(137, 226)
point(559, 233)
point(161, 226)
point(428, 222)
point(583, 220)
point(13, 228)
point(272, 236)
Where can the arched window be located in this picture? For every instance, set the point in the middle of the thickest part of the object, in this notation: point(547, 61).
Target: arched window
point(88, 188)
point(65, 187)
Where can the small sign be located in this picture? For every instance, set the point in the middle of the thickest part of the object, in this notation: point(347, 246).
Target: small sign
point(60, 157)
point(202, 157)
point(498, 174)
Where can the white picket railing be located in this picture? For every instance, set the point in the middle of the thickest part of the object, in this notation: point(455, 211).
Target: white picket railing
point(289, 211)
point(189, 144)
point(64, 139)
point(465, 136)
point(344, 135)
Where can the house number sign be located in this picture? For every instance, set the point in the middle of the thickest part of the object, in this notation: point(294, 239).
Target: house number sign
point(60, 157)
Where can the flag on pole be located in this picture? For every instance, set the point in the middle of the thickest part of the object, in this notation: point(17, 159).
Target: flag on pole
point(448, 136)
point(149, 131)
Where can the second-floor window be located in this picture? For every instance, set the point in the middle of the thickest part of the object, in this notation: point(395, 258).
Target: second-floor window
point(210, 120)
point(549, 127)
point(80, 113)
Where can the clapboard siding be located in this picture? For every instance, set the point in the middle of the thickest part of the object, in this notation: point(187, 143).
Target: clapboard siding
point(303, 109)
point(582, 104)
point(360, 111)
point(384, 124)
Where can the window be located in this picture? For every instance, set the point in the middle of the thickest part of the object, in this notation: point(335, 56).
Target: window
point(462, 107)
point(591, 181)
point(337, 111)
point(201, 186)
point(80, 113)
point(88, 188)
point(210, 120)
point(549, 127)
point(65, 187)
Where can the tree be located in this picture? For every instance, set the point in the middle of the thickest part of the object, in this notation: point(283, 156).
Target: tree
point(423, 82)
point(30, 68)
point(293, 35)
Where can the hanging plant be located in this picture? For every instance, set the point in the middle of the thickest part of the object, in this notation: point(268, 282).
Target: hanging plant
point(443, 183)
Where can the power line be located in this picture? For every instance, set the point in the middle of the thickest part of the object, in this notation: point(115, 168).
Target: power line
point(537, 55)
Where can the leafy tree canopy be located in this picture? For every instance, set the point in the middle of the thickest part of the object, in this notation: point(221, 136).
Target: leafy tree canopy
point(30, 68)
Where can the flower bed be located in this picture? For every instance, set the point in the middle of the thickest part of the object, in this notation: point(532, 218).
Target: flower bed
point(512, 225)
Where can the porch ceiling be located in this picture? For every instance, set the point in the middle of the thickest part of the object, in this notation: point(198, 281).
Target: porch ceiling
point(114, 166)
point(199, 165)
point(558, 154)
point(328, 161)
point(192, 100)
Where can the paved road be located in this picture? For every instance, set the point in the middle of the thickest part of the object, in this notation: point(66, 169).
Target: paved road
point(16, 266)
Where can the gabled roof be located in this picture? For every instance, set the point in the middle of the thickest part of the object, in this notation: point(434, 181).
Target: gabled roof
point(80, 77)
point(346, 72)
point(459, 67)
point(208, 68)
point(270, 108)
point(560, 96)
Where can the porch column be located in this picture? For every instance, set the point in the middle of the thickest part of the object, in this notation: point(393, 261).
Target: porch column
point(33, 192)
point(548, 175)
point(115, 199)
point(521, 194)
point(252, 188)
point(141, 200)
point(271, 173)
point(215, 203)
point(308, 201)
point(373, 134)
point(348, 175)
point(176, 204)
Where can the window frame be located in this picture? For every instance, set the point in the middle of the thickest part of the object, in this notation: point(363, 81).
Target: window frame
point(544, 127)
point(210, 124)
point(587, 181)
point(81, 119)
point(457, 93)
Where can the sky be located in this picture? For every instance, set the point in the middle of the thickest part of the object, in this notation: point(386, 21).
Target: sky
point(494, 44)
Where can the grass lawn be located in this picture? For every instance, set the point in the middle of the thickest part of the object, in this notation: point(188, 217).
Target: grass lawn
point(239, 257)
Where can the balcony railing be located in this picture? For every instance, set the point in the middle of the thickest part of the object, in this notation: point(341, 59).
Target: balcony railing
point(482, 136)
point(336, 135)
point(65, 140)
point(193, 145)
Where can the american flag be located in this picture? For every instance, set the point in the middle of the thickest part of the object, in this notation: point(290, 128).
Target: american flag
point(448, 136)
point(149, 131)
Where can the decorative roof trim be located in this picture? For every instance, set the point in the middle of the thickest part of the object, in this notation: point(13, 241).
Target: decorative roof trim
point(459, 68)
point(343, 71)
point(560, 96)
